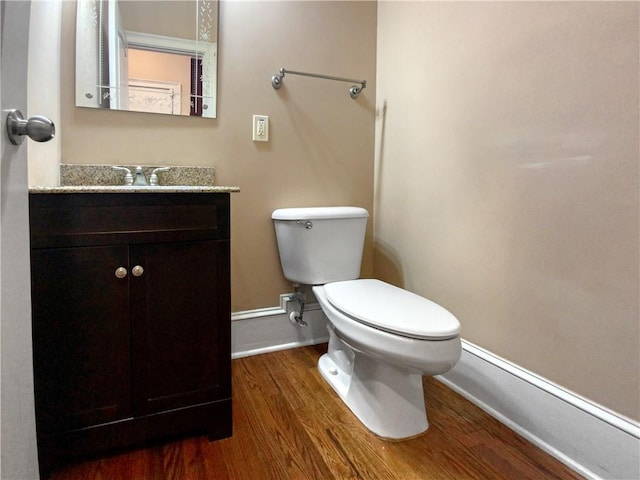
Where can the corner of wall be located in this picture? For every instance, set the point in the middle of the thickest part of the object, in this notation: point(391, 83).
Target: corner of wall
point(43, 88)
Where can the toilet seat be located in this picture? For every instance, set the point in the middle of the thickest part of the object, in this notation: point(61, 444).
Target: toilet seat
point(392, 309)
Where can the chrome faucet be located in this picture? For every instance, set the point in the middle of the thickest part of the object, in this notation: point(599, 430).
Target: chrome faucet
point(140, 179)
point(153, 179)
point(128, 178)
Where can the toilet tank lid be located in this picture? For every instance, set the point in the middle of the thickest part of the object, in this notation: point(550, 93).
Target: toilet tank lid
point(315, 213)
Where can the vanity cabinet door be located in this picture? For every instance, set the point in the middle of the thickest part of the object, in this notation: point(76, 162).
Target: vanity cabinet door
point(181, 332)
point(81, 337)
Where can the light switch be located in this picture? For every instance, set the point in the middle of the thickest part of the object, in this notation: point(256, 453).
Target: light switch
point(260, 128)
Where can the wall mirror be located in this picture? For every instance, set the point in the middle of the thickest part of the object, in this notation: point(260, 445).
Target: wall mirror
point(156, 56)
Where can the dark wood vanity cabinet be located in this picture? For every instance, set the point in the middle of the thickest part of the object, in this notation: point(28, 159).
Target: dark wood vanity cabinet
point(131, 320)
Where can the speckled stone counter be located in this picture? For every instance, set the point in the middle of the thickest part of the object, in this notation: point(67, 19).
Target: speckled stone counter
point(102, 175)
point(132, 189)
point(104, 179)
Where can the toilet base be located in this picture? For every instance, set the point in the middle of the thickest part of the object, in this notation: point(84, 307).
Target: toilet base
point(387, 399)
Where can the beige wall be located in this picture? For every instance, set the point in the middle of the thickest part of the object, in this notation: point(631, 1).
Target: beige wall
point(507, 180)
point(321, 145)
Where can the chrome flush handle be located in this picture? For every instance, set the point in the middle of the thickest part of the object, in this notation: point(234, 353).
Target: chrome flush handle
point(308, 224)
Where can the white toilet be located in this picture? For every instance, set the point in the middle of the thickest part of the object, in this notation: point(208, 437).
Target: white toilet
point(382, 339)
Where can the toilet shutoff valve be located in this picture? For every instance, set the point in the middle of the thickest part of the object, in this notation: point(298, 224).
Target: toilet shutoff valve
point(295, 316)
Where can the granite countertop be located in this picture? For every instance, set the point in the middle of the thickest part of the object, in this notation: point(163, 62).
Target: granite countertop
point(104, 179)
point(136, 189)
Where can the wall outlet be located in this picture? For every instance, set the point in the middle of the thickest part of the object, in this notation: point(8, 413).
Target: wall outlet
point(260, 128)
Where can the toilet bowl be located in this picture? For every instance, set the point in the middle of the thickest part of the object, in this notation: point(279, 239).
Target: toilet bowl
point(377, 369)
point(382, 338)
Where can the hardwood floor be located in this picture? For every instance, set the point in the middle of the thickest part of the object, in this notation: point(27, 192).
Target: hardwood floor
point(289, 424)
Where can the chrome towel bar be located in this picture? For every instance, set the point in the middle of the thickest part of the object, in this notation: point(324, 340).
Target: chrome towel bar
point(354, 91)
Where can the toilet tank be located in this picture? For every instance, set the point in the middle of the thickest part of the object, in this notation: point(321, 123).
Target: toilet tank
point(319, 245)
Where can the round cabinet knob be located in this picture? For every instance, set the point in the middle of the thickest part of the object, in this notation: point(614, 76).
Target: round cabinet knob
point(137, 271)
point(121, 272)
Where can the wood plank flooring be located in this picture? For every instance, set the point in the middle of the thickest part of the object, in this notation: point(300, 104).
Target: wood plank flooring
point(289, 424)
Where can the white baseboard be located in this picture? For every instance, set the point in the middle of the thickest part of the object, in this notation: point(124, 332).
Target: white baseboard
point(588, 438)
point(268, 330)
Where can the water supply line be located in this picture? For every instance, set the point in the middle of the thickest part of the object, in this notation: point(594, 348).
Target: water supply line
point(295, 317)
point(354, 91)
